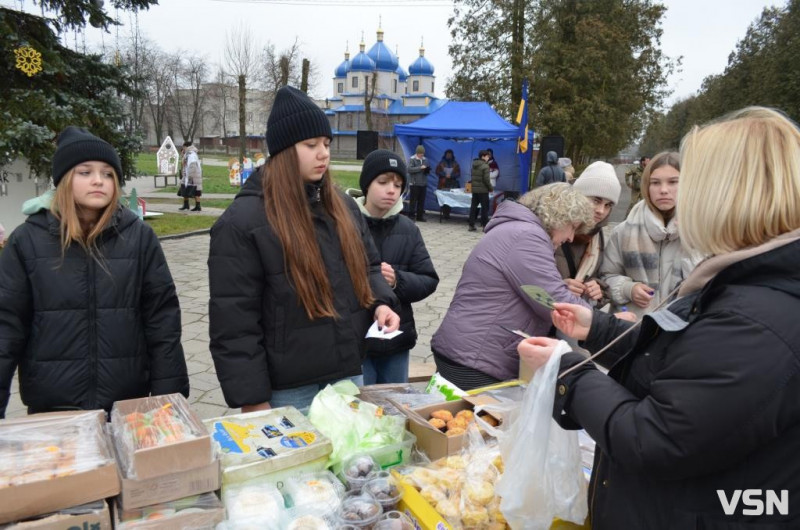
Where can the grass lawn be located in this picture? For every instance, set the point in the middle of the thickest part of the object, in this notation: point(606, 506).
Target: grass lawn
point(177, 201)
point(215, 178)
point(177, 223)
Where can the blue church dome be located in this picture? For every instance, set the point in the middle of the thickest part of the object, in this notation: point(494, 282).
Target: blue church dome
point(362, 62)
point(421, 66)
point(344, 67)
point(382, 55)
point(401, 74)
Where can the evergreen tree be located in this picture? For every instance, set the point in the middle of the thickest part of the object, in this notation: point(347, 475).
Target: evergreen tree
point(70, 89)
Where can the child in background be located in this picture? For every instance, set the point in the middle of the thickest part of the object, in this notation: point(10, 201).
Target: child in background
point(406, 264)
point(88, 308)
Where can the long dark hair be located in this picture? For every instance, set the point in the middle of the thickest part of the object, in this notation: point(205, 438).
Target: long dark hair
point(289, 215)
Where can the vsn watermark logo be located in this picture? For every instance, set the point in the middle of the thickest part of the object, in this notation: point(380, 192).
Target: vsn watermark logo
point(752, 503)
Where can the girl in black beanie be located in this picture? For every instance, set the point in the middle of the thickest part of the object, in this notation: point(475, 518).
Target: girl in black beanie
point(88, 308)
point(294, 276)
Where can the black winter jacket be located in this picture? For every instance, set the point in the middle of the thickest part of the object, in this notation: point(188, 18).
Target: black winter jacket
point(81, 337)
point(706, 401)
point(261, 336)
point(400, 244)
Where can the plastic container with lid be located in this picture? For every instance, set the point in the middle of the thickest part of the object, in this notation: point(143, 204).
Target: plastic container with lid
point(357, 470)
point(394, 520)
point(384, 487)
point(360, 510)
point(321, 489)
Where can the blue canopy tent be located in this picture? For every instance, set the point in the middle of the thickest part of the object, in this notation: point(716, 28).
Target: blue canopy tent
point(466, 128)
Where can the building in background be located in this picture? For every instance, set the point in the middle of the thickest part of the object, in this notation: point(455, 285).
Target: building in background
point(375, 79)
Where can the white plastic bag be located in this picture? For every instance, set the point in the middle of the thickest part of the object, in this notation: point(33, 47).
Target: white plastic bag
point(543, 478)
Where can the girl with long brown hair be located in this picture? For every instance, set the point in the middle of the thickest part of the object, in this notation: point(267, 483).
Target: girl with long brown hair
point(295, 278)
point(88, 308)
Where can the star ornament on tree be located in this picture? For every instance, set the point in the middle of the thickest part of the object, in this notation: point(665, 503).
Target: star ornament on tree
point(28, 60)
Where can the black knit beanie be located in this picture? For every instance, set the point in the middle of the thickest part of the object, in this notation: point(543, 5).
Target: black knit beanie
point(76, 145)
point(381, 161)
point(294, 118)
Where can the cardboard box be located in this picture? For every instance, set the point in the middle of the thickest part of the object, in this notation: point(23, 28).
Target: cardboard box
point(433, 442)
point(204, 511)
point(425, 517)
point(163, 459)
point(137, 493)
point(49, 495)
point(94, 516)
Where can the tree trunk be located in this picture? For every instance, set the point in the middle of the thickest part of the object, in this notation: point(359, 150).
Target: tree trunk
point(284, 66)
point(242, 108)
point(304, 78)
point(517, 51)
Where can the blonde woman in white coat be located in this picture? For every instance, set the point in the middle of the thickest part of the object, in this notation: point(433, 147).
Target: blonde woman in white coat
point(644, 260)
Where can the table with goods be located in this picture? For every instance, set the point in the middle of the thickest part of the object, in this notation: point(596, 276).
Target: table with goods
point(379, 457)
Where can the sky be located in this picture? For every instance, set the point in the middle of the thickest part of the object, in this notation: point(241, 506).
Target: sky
point(702, 32)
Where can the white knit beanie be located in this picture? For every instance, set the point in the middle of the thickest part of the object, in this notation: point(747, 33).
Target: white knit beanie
point(599, 180)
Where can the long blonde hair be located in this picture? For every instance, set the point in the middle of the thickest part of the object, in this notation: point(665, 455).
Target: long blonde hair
point(66, 210)
point(740, 182)
point(289, 216)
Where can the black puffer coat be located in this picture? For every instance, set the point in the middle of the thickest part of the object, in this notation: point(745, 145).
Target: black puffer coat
point(706, 400)
point(261, 336)
point(400, 244)
point(84, 338)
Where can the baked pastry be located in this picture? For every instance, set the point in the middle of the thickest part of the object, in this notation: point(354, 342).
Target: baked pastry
point(438, 423)
point(445, 415)
point(465, 414)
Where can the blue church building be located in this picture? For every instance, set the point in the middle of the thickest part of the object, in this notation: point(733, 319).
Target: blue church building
point(377, 79)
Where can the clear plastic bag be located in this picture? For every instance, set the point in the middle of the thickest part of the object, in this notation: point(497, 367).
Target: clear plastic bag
point(199, 511)
point(543, 478)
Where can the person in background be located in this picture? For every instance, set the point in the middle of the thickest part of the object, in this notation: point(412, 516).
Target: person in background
point(644, 260)
point(569, 170)
point(551, 172)
point(633, 179)
point(481, 187)
point(579, 261)
point(2, 235)
point(191, 177)
point(406, 265)
point(448, 170)
point(418, 170)
point(701, 402)
point(294, 276)
point(88, 309)
point(494, 169)
point(471, 348)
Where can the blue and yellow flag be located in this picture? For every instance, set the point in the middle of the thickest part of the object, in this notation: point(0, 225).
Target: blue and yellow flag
point(522, 119)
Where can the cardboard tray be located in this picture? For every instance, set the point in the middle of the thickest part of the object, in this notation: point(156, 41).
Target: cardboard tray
point(136, 493)
point(46, 496)
point(94, 516)
point(170, 458)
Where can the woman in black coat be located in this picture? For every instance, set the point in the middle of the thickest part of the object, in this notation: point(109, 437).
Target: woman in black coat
point(294, 276)
point(698, 425)
point(88, 309)
point(405, 263)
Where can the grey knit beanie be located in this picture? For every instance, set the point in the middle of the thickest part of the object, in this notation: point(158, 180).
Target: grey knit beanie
point(294, 118)
point(76, 145)
point(599, 180)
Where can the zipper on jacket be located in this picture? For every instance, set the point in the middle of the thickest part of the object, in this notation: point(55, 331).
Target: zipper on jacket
point(92, 333)
point(595, 473)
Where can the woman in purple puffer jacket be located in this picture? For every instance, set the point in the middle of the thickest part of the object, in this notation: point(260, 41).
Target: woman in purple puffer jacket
point(471, 348)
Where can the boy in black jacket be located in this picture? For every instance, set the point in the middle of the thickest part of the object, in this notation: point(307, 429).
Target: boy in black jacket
point(406, 264)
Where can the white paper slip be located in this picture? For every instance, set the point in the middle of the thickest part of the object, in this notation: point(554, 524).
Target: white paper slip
point(374, 333)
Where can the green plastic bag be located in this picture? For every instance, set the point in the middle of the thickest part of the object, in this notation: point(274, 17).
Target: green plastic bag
point(353, 426)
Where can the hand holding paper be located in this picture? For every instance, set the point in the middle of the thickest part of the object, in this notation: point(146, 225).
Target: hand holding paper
point(374, 333)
